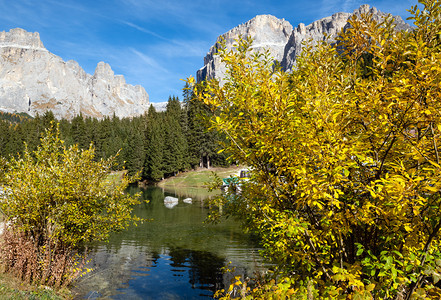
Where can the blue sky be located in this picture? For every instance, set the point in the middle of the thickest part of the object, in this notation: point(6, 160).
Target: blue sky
point(155, 43)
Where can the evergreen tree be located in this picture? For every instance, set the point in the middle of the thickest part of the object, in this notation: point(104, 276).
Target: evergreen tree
point(5, 134)
point(47, 119)
point(166, 135)
point(135, 147)
point(154, 147)
point(31, 130)
point(66, 131)
point(176, 146)
point(15, 144)
point(203, 145)
point(79, 132)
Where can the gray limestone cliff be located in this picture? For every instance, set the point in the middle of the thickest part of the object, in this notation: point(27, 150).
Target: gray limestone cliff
point(283, 42)
point(329, 26)
point(33, 80)
point(267, 32)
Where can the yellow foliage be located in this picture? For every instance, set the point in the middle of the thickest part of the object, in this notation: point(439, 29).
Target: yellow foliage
point(59, 197)
point(345, 157)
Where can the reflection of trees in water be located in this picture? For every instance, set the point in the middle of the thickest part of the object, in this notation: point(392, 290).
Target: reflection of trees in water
point(204, 268)
point(113, 266)
point(200, 194)
point(153, 193)
point(150, 194)
point(176, 245)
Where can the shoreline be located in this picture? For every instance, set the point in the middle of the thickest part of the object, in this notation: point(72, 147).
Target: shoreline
point(197, 178)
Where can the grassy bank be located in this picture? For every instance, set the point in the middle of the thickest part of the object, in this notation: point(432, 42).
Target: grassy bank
point(115, 177)
point(189, 179)
point(197, 178)
point(13, 288)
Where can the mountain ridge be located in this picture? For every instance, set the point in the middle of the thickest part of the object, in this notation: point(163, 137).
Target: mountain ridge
point(316, 31)
point(34, 80)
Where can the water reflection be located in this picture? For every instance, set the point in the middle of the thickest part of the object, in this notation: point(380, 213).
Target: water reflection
point(175, 256)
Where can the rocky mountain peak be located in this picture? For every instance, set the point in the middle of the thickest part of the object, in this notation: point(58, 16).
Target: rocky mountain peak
point(329, 27)
point(20, 38)
point(36, 81)
point(267, 32)
point(365, 8)
point(263, 29)
point(379, 16)
point(103, 70)
point(284, 42)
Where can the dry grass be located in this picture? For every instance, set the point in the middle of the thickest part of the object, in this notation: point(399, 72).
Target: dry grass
point(47, 264)
point(16, 285)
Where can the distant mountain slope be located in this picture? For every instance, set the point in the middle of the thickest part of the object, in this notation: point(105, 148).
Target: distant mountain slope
point(160, 106)
point(267, 32)
point(279, 37)
point(33, 80)
point(14, 118)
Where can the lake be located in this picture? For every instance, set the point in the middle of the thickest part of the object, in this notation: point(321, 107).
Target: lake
point(174, 256)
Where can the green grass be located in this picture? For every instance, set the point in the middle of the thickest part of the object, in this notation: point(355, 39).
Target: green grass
point(12, 288)
point(115, 177)
point(197, 178)
point(194, 183)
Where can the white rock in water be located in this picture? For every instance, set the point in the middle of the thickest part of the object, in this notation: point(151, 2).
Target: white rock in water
point(170, 202)
point(188, 200)
point(170, 199)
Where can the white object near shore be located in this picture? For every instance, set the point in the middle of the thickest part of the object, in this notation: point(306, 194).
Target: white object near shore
point(188, 200)
point(170, 202)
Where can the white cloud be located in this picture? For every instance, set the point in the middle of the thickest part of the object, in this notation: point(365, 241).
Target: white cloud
point(181, 49)
point(142, 29)
point(149, 61)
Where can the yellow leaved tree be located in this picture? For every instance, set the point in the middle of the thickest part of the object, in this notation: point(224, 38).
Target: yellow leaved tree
point(346, 187)
point(55, 200)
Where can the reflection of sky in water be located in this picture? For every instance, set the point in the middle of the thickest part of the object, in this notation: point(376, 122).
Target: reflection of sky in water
point(171, 279)
point(175, 256)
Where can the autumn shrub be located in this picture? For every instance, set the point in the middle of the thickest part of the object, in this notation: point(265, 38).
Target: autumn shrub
point(55, 200)
point(345, 193)
point(23, 259)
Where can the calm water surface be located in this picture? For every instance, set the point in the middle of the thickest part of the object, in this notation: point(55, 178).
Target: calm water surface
point(174, 256)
